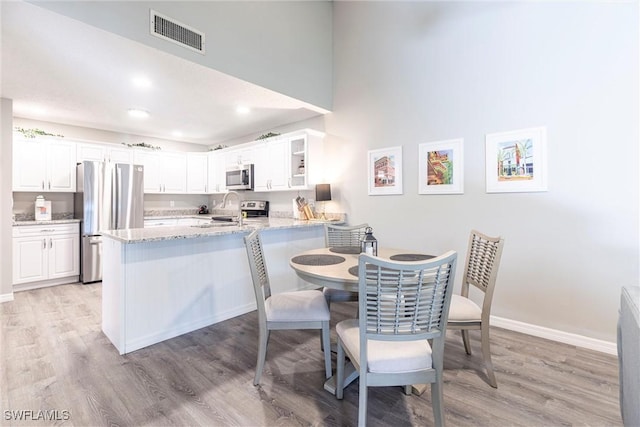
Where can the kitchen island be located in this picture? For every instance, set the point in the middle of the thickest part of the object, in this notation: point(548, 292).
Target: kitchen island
point(162, 282)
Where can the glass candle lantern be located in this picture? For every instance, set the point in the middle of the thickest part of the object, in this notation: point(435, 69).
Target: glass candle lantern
point(369, 244)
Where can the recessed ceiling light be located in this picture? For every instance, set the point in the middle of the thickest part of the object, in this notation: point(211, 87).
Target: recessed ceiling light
point(138, 114)
point(141, 82)
point(241, 109)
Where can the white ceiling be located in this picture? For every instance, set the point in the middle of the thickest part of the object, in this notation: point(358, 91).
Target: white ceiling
point(61, 70)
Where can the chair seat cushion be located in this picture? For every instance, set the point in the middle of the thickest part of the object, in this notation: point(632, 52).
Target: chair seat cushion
point(464, 310)
point(386, 356)
point(299, 306)
point(339, 295)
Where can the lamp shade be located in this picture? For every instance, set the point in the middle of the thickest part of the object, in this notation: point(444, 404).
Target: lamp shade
point(323, 192)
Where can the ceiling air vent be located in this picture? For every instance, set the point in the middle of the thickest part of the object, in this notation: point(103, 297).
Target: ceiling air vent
point(176, 32)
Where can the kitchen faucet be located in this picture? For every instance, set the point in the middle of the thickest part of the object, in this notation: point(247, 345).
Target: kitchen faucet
point(224, 204)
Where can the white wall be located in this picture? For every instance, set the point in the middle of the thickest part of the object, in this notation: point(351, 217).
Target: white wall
point(415, 72)
point(6, 247)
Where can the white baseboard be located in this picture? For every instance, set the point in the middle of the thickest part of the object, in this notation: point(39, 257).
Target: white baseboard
point(555, 335)
point(6, 297)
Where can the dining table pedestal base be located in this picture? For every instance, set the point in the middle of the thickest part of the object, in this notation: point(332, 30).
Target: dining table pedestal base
point(350, 374)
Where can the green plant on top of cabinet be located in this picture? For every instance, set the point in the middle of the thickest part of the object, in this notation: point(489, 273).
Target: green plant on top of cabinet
point(44, 164)
point(45, 255)
point(164, 172)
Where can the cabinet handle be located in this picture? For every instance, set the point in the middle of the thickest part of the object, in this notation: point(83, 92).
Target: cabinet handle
point(160, 188)
point(44, 243)
point(47, 230)
point(43, 185)
point(50, 243)
point(49, 185)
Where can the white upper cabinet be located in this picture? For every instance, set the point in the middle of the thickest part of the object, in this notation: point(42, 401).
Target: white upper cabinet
point(90, 153)
point(216, 172)
point(44, 164)
point(163, 172)
point(306, 159)
point(244, 154)
point(292, 161)
point(104, 153)
point(119, 155)
point(197, 173)
point(271, 166)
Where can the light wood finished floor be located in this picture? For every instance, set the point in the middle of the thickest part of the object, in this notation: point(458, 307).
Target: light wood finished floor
point(54, 356)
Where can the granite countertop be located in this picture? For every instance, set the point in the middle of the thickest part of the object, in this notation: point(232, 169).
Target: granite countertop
point(141, 235)
point(53, 221)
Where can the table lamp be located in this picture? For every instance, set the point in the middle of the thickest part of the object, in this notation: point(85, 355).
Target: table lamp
point(323, 194)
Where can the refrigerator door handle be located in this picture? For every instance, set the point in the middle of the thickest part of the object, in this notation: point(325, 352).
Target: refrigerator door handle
point(113, 221)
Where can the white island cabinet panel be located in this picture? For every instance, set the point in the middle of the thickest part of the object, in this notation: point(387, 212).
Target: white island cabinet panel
point(156, 290)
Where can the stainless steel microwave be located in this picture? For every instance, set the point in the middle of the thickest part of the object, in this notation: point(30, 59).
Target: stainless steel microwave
point(240, 177)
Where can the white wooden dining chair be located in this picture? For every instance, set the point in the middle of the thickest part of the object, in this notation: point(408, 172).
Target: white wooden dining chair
point(403, 306)
point(342, 237)
point(287, 310)
point(480, 271)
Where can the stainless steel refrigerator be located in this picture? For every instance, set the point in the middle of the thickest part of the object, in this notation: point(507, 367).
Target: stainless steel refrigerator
point(109, 196)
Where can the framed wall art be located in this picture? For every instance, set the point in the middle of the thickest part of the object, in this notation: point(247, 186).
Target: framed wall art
point(516, 161)
point(385, 171)
point(441, 167)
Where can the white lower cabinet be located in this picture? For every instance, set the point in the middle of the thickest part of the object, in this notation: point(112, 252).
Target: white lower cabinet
point(45, 255)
